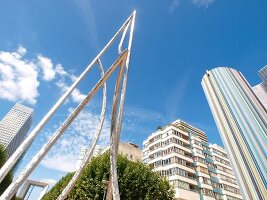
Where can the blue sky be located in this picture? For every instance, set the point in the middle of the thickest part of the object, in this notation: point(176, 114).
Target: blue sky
point(49, 43)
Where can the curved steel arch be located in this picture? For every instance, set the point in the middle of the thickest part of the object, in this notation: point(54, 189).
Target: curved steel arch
point(122, 62)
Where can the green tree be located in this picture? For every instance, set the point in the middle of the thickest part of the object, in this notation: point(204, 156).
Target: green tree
point(136, 182)
point(8, 179)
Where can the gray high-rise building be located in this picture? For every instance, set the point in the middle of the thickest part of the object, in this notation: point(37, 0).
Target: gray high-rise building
point(261, 89)
point(14, 127)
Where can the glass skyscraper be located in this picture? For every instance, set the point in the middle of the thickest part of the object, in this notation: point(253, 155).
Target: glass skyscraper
point(242, 122)
point(14, 127)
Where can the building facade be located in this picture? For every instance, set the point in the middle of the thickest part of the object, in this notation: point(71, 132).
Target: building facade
point(182, 153)
point(261, 89)
point(242, 122)
point(14, 127)
point(128, 149)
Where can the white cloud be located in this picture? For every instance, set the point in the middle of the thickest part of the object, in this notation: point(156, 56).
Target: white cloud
point(63, 81)
point(47, 68)
point(51, 182)
point(18, 77)
point(64, 155)
point(77, 96)
point(21, 50)
point(60, 70)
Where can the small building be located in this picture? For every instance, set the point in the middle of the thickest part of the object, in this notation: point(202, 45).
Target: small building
point(128, 149)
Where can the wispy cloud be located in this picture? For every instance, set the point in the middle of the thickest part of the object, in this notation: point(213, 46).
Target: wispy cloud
point(174, 4)
point(204, 3)
point(201, 3)
point(142, 114)
point(175, 96)
point(139, 121)
point(65, 153)
point(66, 78)
point(87, 14)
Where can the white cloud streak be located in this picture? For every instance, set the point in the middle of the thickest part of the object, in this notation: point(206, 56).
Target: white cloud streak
point(201, 3)
point(88, 16)
point(47, 67)
point(64, 155)
point(174, 4)
point(204, 3)
point(63, 81)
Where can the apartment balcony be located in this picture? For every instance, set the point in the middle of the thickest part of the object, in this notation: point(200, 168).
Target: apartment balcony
point(218, 190)
point(187, 179)
point(232, 194)
point(202, 174)
point(197, 163)
point(220, 156)
point(229, 183)
point(206, 151)
point(214, 179)
point(209, 160)
point(193, 145)
point(181, 166)
point(222, 164)
point(185, 157)
point(183, 194)
point(203, 185)
point(225, 173)
point(179, 138)
point(211, 169)
point(204, 197)
point(185, 148)
point(194, 153)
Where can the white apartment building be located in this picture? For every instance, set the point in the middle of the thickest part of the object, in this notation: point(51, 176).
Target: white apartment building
point(223, 179)
point(181, 153)
point(14, 127)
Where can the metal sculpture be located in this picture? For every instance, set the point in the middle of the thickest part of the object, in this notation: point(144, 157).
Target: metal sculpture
point(122, 62)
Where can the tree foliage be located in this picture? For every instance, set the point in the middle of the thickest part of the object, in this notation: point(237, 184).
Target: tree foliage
point(136, 182)
point(8, 179)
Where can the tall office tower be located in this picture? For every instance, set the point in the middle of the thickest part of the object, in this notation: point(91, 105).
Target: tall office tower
point(14, 127)
point(182, 153)
point(242, 123)
point(261, 89)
